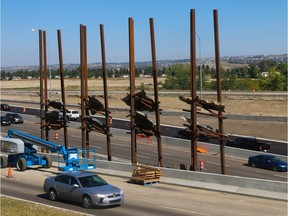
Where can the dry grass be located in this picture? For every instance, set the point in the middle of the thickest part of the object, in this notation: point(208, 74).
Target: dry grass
point(17, 207)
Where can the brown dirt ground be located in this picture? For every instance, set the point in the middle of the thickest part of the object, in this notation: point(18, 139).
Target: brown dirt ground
point(270, 105)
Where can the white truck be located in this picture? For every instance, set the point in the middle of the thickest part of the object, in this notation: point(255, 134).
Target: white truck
point(70, 114)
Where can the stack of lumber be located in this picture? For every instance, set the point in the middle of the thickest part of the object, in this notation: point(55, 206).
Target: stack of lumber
point(146, 174)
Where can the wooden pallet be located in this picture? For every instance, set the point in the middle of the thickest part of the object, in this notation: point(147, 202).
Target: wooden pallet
point(146, 175)
point(144, 182)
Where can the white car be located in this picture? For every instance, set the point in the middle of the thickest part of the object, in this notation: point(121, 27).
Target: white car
point(71, 114)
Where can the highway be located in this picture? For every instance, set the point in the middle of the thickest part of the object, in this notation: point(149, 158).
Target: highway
point(277, 147)
point(157, 199)
point(147, 152)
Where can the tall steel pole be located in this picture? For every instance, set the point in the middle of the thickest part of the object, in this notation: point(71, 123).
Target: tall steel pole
point(193, 88)
point(105, 92)
point(201, 86)
point(132, 90)
point(82, 76)
point(157, 112)
point(42, 118)
point(45, 87)
point(219, 88)
point(62, 87)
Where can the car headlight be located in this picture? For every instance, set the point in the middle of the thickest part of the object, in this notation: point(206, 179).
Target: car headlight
point(121, 192)
point(99, 195)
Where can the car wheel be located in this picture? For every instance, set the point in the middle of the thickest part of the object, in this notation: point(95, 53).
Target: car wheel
point(53, 195)
point(253, 165)
point(86, 202)
point(48, 161)
point(4, 162)
point(21, 164)
point(275, 168)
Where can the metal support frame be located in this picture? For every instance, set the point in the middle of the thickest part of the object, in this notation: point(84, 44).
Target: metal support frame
point(62, 87)
point(193, 73)
point(42, 118)
point(105, 92)
point(156, 98)
point(132, 91)
point(219, 90)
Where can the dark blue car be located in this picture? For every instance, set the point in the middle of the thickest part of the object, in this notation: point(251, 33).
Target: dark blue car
point(267, 162)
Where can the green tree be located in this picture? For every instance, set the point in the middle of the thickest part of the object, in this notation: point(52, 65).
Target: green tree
point(178, 77)
point(274, 82)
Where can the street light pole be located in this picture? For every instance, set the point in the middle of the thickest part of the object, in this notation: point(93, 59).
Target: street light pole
point(200, 65)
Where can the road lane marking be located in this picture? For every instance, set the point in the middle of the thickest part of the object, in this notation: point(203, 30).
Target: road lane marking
point(164, 153)
point(285, 177)
point(215, 163)
point(115, 144)
point(142, 156)
point(183, 210)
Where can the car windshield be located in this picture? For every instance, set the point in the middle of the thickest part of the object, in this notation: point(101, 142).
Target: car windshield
point(92, 181)
point(15, 115)
point(275, 159)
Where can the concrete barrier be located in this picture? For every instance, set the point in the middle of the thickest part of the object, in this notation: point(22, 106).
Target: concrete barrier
point(232, 184)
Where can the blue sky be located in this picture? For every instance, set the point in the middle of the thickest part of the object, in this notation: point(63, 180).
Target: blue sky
point(246, 27)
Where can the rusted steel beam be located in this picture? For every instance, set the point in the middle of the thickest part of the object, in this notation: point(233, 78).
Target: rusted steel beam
point(219, 88)
point(61, 65)
point(82, 78)
point(45, 86)
point(156, 98)
point(132, 90)
point(85, 67)
point(105, 92)
point(193, 74)
point(42, 117)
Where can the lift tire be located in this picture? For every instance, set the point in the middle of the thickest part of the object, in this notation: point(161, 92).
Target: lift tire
point(4, 162)
point(21, 164)
point(48, 161)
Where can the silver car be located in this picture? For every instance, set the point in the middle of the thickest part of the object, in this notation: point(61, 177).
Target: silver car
point(83, 187)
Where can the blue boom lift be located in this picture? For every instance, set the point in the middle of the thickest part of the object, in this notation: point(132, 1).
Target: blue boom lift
point(72, 158)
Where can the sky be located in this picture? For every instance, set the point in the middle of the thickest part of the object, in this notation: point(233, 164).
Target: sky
point(246, 27)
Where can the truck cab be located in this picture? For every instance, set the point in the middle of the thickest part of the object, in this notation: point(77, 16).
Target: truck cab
point(70, 114)
point(250, 143)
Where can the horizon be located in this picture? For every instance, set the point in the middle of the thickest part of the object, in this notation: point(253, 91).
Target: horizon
point(243, 30)
point(148, 61)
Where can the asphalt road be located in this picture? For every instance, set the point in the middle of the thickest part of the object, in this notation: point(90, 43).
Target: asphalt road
point(147, 153)
point(277, 147)
point(157, 199)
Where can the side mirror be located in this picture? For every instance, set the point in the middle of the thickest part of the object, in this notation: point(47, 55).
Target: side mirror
point(76, 186)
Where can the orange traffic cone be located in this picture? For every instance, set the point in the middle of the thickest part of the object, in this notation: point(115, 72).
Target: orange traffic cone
point(56, 136)
point(201, 165)
point(9, 173)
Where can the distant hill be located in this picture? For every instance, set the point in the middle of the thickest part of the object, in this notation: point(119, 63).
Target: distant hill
point(228, 61)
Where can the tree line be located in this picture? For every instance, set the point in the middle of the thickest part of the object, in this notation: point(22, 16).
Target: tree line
point(267, 75)
point(250, 77)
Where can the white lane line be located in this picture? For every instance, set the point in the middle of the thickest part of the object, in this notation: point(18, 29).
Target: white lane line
point(163, 153)
point(285, 177)
point(142, 156)
point(215, 163)
point(121, 145)
point(183, 210)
